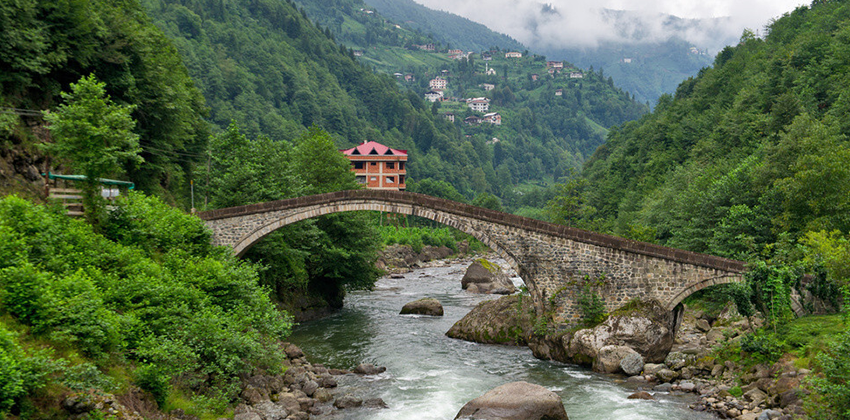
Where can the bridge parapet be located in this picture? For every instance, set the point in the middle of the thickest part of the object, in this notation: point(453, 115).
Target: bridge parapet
point(552, 259)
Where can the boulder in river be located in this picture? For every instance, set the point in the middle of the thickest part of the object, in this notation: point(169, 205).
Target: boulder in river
point(482, 276)
point(369, 369)
point(516, 401)
point(424, 306)
point(501, 321)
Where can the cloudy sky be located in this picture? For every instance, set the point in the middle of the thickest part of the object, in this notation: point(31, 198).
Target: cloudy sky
point(577, 23)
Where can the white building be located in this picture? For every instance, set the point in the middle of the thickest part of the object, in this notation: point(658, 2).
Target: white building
point(478, 104)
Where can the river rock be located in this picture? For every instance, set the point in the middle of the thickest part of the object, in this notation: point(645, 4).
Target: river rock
point(499, 321)
point(482, 276)
point(609, 357)
point(648, 328)
point(515, 401)
point(703, 325)
point(348, 401)
point(641, 395)
point(424, 306)
point(369, 369)
point(632, 363)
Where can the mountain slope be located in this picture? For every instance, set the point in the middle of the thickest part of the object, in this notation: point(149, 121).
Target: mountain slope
point(448, 28)
point(751, 152)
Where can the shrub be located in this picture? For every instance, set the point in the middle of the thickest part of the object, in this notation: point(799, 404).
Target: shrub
point(765, 347)
point(591, 305)
point(832, 386)
point(153, 379)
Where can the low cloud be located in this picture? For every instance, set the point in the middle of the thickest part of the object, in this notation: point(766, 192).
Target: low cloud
point(571, 23)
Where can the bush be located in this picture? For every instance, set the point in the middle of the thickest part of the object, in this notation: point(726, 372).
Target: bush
point(832, 385)
point(154, 380)
point(765, 347)
point(591, 306)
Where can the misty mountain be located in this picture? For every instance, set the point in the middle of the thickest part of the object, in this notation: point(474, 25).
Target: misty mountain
point(447, 28)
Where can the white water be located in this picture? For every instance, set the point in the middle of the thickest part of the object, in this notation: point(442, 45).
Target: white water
point(430, 376)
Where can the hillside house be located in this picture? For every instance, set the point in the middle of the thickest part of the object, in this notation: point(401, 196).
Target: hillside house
point(627, 60)
point(472, 120)
point(409, 77)
point(576, 75)
point(398, 75)
point(486, 56)
point(513, 54)
point(438, 83)
point(534, 77)
point(493, 118)
point(378, 167)
point(358, 53)
point(555, 64)
point(559, 92)
point(449, 116)
point(478, 104)
point(434, 95)
point(426, 47)
point(488, 87)
point(491, 72)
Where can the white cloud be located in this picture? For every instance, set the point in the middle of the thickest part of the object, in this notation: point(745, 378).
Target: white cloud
point(572, 23)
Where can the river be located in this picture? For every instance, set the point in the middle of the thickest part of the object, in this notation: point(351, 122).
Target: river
point(430, 376)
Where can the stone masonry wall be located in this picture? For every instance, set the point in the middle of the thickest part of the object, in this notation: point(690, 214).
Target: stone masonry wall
point(555, 261)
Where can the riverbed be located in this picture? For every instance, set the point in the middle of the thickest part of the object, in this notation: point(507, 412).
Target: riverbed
point(430, 376)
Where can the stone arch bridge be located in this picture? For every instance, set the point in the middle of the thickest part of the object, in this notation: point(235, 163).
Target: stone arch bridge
point(555, 261)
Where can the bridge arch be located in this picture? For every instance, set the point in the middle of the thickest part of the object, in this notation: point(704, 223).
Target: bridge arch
point(261, 231)
point(548, 257)
point(702, 284)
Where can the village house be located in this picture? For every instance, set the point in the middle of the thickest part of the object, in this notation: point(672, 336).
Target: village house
point(559, 92)
point(513, 54)
point(551, 71)
point(488, 87)
point(398, 75)
point(555, 64)
point(478, 104)
point(409, 77)
point(438, 83)
point(491, 72)
point(534, 77)
point(493, 118)
point(358, 53)
point(434, 95)
point(426, 47)
point(576, 75)
point(449, 116)
point(486, 56)
point(472, 120)
point(378, 167)
point(627, 60)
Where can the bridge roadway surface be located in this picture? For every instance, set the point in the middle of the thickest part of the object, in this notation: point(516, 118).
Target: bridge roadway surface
point(554, 261)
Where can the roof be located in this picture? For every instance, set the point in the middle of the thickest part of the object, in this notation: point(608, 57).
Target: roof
point(373, 148)
point(492, 114)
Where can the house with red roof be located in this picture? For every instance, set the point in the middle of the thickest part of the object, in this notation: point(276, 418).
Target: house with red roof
point(378, 167)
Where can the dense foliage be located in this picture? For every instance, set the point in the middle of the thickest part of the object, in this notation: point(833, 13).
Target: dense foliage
point(321, 256)
point(750, 153)
point(50, 44)
point(152, 292)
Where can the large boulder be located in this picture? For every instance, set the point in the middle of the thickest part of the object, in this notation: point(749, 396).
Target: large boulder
point(646, 327)
point(608, 358)
point(482, 276)
point(515, 401)
point(501, 321)
point(424, 306)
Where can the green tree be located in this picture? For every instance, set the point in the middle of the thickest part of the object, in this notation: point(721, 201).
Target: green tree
point(95, 135)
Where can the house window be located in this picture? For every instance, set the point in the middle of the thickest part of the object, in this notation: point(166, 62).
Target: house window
point(401, 179)
point(373, 178)
point(373, 163)
point(401, 166)
point(361, 179)
point(358, 165)
point(390, 180)
point(390, 165)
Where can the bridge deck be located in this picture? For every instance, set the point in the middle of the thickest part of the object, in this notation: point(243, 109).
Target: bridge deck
point(507, 219)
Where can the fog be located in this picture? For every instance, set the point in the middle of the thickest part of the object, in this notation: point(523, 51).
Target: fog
point(569, 23)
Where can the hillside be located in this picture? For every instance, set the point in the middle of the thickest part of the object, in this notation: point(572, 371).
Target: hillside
point(449, 29)
point(749, 156)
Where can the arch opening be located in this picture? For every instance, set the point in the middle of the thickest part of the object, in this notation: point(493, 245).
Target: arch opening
point(446, 219)
point(700, 285)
